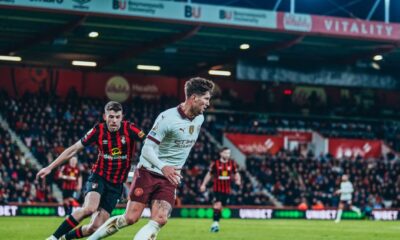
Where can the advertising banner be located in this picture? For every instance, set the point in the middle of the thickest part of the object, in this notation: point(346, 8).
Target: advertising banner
point(177, 11)
point(355, 28)
point(201, 212)
point(256, 144)
point(339, 148)
point(338, 27)
point(297, 136)
point(224, 16)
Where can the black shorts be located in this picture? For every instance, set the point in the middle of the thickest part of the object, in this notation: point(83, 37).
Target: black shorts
point(68, 194)
point(347, 203)
point(221, 197)
point(109, 192)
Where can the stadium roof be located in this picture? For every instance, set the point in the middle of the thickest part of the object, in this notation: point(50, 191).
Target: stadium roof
point(54, 38)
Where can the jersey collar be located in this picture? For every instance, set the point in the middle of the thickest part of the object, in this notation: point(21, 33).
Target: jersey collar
point(182, 113)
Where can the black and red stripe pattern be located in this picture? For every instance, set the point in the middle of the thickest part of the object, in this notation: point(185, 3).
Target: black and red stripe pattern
point(222, 173)
point(115, 150)
point(73, 173)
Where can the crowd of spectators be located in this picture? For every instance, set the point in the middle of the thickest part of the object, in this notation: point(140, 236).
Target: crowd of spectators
point(47, 124)
point(293, 179)
point(17, 175)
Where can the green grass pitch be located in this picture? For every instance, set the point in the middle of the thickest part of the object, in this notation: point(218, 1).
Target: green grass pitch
point(23, 228)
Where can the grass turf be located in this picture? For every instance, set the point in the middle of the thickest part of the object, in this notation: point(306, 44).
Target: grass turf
point(22, 228)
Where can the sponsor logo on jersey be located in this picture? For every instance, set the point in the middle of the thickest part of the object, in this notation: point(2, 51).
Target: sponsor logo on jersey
point(116, 151)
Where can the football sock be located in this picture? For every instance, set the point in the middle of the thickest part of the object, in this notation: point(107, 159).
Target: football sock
point(148, 231)
point(217, 215)
point(74, 234)
point(110, 227)
point(66, 226)
point(356, 209)
point(339, 215)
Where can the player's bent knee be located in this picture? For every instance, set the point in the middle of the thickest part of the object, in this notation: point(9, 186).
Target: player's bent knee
point(87, 211)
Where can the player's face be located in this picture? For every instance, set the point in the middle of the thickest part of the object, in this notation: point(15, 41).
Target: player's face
point(73, 161)
point(201, 103)
point(113, 120)
point(226, 154)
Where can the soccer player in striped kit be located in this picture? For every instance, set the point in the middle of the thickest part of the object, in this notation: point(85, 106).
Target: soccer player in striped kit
point(223, 171)
point(116, 140)
point(165, 151)
point(71, 182)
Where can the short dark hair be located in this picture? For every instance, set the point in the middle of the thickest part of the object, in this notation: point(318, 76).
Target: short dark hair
point(113, 105)
point(199, 86)
point(223, 149)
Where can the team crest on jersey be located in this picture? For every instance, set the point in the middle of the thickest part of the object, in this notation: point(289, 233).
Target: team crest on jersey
point(105, 141)
point(191, 129)
point(123, 140)
point(229, 168)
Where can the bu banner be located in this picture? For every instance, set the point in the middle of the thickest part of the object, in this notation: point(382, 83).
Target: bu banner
point(256, 144)
point(339, 147)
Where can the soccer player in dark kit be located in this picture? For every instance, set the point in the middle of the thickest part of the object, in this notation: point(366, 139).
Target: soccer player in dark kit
point(116, 141)
point(71, 182)
point(223, 171)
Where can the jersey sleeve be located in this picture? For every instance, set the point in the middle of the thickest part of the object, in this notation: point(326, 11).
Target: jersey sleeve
point(159, 129)
point(212, 168)
point(91, 136)
point(135, 132)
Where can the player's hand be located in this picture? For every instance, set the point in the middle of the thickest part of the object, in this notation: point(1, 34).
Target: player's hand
point(202, 188)
point(238, 182)
point(43, 173)
point(171, 173)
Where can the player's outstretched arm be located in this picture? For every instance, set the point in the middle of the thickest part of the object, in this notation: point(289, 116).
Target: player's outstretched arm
point(65, 155)
point(206, 179)
point(238, 179)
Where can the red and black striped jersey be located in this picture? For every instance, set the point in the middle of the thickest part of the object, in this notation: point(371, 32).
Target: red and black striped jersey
point(222, 173)
point(73, 172)
point(115, 150)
